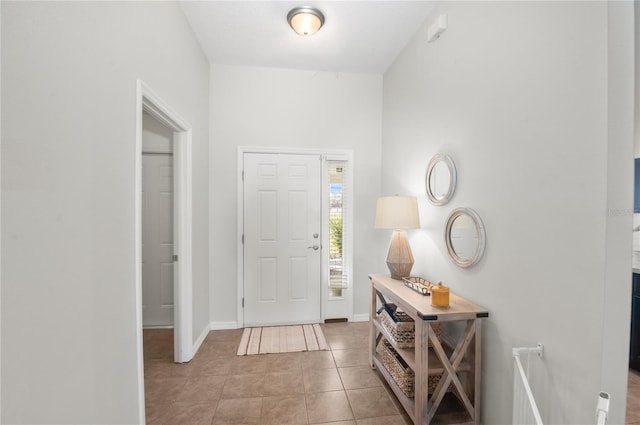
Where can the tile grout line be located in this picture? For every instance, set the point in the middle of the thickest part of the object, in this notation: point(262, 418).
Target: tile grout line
point(346, 394)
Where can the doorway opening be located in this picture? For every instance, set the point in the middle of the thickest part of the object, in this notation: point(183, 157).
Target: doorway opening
point(150, 104)
point(157, 241)
point(157, 225)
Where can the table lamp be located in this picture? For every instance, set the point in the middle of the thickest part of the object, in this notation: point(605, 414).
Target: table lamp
point(398, 213)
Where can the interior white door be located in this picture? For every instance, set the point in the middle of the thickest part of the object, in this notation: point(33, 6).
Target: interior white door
point(282, 243)
point(157, 240)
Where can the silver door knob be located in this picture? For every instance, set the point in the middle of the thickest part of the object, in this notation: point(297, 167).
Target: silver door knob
point(315, 247)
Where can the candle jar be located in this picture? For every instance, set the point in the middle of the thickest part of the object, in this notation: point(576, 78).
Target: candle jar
point(440, 295)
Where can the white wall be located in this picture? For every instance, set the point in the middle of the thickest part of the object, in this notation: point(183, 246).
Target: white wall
point(636, 217)
point(620, 153)
point(69, 74)
point(637, 81)
point(517, 93)
point(289, 108)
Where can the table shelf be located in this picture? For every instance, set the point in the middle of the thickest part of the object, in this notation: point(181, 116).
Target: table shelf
point(458, 360)
point(405, 401)
point(409, 354)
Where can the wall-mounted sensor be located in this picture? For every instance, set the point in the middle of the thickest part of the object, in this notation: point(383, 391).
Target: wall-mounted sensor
point(437, 28)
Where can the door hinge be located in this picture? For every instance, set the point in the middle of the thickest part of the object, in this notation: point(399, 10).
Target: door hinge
point(242, 175)
point(175, 257)
point(243, 239)
point(243, 302)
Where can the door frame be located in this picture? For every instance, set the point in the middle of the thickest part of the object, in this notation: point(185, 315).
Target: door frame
point(148, 101)
point(325, 154)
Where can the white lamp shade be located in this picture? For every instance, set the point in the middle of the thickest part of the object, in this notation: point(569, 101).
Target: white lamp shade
point(397, 212)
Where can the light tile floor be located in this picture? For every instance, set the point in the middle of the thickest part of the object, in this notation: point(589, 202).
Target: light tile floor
point(321, 387)
point(217, 387)
point(633, 398)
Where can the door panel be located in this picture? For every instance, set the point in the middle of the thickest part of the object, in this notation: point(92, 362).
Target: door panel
point(297, 276)
point(281, 226)
point(268, 213)
point(157, 240)
point(268, 279)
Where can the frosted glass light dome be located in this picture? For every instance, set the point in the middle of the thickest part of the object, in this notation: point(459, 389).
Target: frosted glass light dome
point(305, 20)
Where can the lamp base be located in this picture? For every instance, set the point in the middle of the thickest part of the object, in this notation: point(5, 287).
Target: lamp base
point(399, 257)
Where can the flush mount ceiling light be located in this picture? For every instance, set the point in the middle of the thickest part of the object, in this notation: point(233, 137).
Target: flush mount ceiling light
point(305, 20)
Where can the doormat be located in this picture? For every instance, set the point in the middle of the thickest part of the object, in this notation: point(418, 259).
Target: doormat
point(282, 339)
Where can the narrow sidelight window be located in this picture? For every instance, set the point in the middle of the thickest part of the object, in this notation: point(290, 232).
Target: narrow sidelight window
point(338, 276)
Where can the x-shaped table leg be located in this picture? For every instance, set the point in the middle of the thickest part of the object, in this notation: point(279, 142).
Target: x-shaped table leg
point(451, 366)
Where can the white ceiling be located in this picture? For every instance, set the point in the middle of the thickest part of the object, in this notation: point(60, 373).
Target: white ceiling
point(358, 36)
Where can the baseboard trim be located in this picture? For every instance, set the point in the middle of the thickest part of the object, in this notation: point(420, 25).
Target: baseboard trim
point(217, 326)
point(199, 341)
point(361, 317)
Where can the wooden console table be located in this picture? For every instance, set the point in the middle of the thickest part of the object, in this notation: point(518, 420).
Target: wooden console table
point(456, 355)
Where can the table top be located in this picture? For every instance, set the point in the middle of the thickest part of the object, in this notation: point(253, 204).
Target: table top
point(418, 305)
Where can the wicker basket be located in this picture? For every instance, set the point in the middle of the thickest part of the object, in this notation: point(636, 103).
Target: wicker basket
point(433, 382)
point(398, 369)
point(400, 327)
point(403, 375)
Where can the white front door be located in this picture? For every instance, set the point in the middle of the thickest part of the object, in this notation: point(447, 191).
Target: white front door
point(282, 242)
point(157, 240)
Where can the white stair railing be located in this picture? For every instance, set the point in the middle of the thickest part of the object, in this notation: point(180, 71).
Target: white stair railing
point(525, 409)
point(603, 408)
